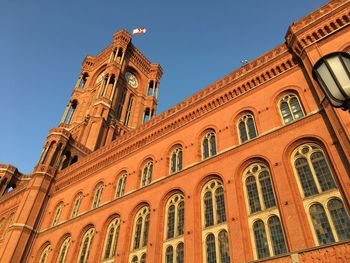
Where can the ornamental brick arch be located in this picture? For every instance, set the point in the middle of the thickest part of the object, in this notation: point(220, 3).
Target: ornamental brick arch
point(103, 233)
point(199, 138)
point(168, 151)
point(129, 222)
point(236, 115)
point(60, 241)
point(79, 239)
point(40, 250)
point(284, 90)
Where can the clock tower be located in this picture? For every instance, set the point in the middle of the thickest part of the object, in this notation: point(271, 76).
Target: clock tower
point(116, 92)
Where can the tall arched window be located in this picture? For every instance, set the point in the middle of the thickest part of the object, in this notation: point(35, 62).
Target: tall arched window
point(214, 233)
point(258, 174)
point(224, 250)
point(128, 110)
point(140, 234)
point(246, 128)
point(169, 255)
point(313, 170)
point(210, 248)
point(176, 160)
point(45, 254)
point(111, 240)
point(57, 214)
point(321, 224)
point(290, 108)
point(97, 196)
point(121, 185)
point(261, 244)
point(276, 235)
point(209, 144)
point(340, 218)
point(327, 215)
point(146, 175)
point(263, 212)
point(174, 226)
point(85, 246)
point(69, 113)
point(76, 205)
point(180, 253)
point(62, 254)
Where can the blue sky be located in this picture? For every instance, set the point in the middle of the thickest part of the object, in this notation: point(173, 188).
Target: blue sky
point(42, 45)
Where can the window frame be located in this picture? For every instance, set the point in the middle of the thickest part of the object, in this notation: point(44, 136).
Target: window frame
point(175, 200)
point(322, 197)
point(243, 118)
point(142, 213)
point(286, 97)
point(212, 185)
point(208, 134)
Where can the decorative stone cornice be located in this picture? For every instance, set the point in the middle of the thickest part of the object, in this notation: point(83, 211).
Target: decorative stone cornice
point(325, 21)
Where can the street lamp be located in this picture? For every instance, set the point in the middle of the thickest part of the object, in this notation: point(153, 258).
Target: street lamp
point(332, 73)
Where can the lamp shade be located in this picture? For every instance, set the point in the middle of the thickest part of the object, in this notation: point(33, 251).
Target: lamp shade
point(332, 73)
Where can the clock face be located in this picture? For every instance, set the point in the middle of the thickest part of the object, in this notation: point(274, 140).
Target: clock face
point(131, 79)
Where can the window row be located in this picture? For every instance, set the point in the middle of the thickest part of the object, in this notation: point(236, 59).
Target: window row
point(330, 221)
point(330, 224)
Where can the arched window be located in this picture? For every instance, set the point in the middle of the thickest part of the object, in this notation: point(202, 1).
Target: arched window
point(85, 246)
point(321, 224)
point(340, 218)
point(83, 79)
point(214, 231)
point(175, 216)
point(45, 254)
point(180, 253)
point(143, 258)
point(97, 196)
point(134, 260)
point(246, 128)
point(62, 254)
point(169, 255)
point(210, 248)
point(111, 240)
point(214, 212)
point(146, 176)
point(147, 115)
point(69, 113)
point(57, 214)
point(313, 170)
point(209, 145)
point(176, 160)
point(290, 108)
point(262, 203)
point(276, 235)
point(140, 234)
point(76, 205)
point(261, 239)
point(258, 174)
point(128, 110)
point(174, 226)
point(224, 247)
point(121, 185)
point(328, 217)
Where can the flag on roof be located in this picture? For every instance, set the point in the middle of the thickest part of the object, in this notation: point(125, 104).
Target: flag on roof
point(141, 30)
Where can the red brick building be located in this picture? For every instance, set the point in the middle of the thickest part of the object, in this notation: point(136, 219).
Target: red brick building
point(254, 167)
